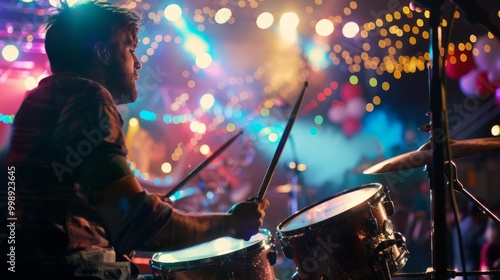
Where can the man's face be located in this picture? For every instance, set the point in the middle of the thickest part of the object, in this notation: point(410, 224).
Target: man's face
point(122, 72)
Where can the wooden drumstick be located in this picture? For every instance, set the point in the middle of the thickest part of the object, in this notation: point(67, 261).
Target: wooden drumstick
point(272, 166)
point(202, 165)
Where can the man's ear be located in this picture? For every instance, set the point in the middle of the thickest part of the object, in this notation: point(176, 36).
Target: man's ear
point(102, 53)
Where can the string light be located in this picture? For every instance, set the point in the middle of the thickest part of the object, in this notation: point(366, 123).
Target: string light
point(383, 34)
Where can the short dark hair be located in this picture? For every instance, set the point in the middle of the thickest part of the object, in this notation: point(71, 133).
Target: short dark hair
point(72, 32)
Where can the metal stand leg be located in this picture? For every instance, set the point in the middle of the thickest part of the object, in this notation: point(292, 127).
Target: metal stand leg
point(459, 188)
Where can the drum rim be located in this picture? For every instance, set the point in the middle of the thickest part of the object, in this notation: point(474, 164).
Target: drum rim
point(213, 260)
point(321, 224)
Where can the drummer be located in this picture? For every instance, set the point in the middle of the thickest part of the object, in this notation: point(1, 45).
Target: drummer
point(79, 210)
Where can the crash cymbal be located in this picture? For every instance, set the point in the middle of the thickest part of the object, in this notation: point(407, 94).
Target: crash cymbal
point(286, 188)
point(423, 155)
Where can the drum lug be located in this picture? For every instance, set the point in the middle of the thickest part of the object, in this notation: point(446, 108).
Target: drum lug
point(389, 207)
point(388, 227)
point(385, 244)
point(381, 256)
point(388, 204)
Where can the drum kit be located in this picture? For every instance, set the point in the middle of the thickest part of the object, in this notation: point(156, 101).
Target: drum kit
point(346, 236)
point(349, 235)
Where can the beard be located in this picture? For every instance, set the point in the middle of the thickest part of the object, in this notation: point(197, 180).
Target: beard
point(122, 86)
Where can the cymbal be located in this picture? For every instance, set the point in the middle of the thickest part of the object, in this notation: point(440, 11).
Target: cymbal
point(286, 188)
point(423, 155)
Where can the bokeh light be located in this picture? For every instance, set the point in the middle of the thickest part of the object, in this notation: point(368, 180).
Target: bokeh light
point(172, 12)
point(223, 15)
point(207, 101)
point(324, 27)
point(10, 53)
point(350, 29)
point(265, 20)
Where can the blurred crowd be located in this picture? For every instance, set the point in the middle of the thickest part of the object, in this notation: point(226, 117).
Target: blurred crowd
point(478, 243)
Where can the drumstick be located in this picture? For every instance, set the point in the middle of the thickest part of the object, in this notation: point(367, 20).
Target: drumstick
point(272, 166)
point(202, 165)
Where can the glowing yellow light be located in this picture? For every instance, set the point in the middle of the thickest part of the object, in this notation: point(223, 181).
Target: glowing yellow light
point(166, 167)
point(369, 107)
point(196, 45)
point(223, 15)
point(273, 137)
point(289, 20)
point(265, 20)
point(203, 60)
point(268, 104)
point(30, 83)
point(495, 130)
point(133, 122)
point(376, 100)
point(54, 3)
point(204, 149)
point(10, 53)
point(172, 12)
point(350, 29)
point(197, 127)
point(324, 27)
point(288, 25)
point(207, 101)
point(301, 167)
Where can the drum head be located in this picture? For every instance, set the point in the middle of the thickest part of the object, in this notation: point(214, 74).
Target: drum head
point(209, 252)
point(329, 208)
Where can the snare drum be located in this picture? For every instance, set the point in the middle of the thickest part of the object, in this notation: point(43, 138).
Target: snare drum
point(346, 236)
point(223, 258)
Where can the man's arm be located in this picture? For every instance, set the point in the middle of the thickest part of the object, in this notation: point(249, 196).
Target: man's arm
point(138, 220)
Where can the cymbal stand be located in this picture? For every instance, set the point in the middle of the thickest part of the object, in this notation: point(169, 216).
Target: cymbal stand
point(438, 140)
point(439, 137)
point(459, 188)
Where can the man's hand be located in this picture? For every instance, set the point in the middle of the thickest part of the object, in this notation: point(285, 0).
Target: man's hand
point(247, 217)
point(163, 198)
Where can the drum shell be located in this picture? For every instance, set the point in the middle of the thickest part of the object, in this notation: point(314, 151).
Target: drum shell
point(339, 247)
point(253, 262)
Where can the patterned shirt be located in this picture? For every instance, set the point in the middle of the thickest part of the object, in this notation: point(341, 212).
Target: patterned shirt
point(61, 124)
